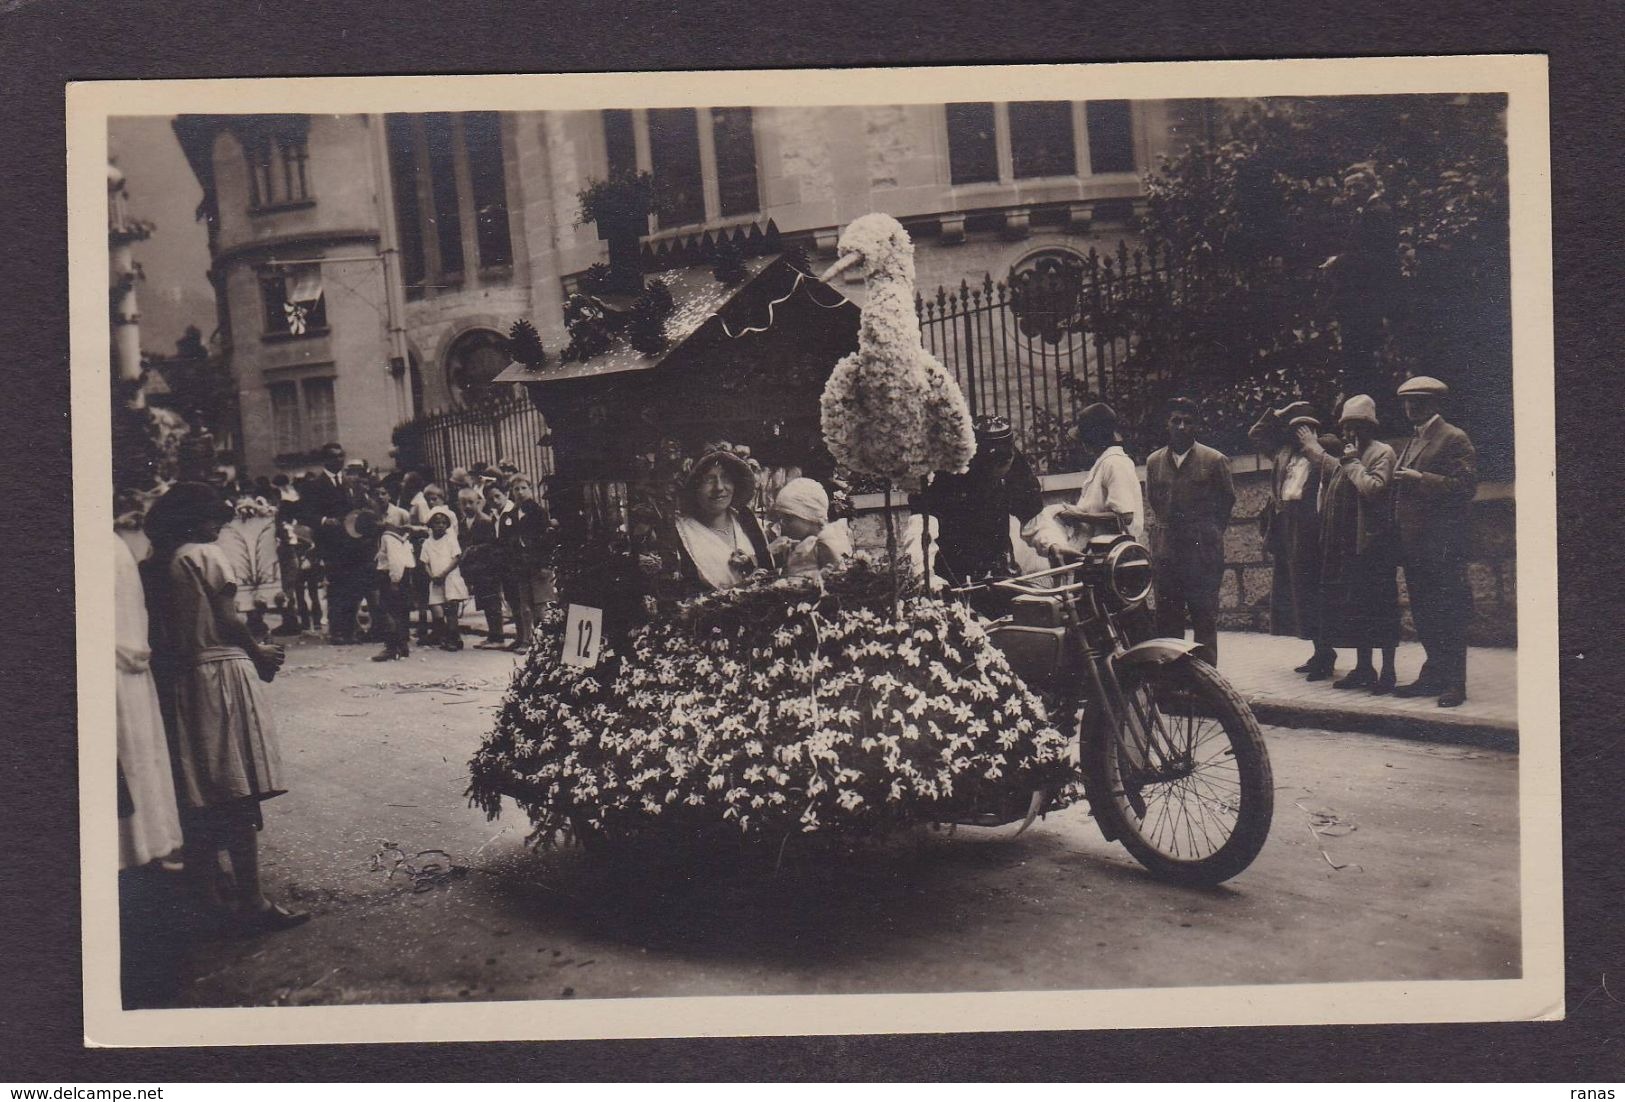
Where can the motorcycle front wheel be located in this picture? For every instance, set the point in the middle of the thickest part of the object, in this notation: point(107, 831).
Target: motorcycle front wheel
point(1184, 782)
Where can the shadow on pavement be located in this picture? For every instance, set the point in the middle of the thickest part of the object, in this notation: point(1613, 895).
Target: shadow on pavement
point(818, 903)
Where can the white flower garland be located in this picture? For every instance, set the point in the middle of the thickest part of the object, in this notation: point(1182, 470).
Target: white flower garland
point(814, 718)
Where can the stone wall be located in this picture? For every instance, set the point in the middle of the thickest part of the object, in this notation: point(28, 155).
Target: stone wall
point(1244, 598)
point(1244, 595)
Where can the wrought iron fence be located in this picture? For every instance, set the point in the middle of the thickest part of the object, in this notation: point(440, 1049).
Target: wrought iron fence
point(1039, 346)
point(1125, 327)
point(506, 427)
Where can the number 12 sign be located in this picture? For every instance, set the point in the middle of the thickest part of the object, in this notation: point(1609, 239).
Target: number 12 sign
point(583, 635)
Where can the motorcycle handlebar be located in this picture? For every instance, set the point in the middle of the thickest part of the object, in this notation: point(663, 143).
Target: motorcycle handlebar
point(1018, 583)
point(1016, 586)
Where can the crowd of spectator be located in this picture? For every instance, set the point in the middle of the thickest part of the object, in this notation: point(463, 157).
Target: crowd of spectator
point(409, 551)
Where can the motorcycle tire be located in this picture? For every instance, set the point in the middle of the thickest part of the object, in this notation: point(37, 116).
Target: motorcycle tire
point(1217, 783)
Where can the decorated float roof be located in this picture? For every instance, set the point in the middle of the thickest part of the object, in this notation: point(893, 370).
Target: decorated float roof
point(703, 308)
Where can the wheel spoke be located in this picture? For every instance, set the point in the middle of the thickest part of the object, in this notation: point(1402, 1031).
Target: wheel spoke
point(1181, 769)
point(1226, 829)
point(1216, 800)
point(1184, 795)
point(1205, 823)
point(1200, 808)
point(1190, 831)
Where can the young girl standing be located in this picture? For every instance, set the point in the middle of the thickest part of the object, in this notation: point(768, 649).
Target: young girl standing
point(440, 556)
point(224, 742)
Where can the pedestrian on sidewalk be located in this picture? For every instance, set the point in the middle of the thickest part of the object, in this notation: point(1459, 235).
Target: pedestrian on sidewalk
point(1289, 525)
point(327, 497)
point(223, 740)
point(1191, 497)
point(411, 498)
point(297, 559)
point(1434, 484)
point(440, 557)
point(1358, 586)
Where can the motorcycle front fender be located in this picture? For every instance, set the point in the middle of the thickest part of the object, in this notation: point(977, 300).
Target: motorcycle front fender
point(1161, 652)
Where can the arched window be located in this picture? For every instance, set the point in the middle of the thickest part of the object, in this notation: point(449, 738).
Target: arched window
point(475, 358)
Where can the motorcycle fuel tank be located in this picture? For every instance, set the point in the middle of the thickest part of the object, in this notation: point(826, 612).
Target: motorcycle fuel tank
point(1034, 653)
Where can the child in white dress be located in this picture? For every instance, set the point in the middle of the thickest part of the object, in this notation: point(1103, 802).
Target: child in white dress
point(440, 556)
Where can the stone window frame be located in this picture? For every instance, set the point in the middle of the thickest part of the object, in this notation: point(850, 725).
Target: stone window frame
point(705, 125)
point(471, 270)
point(1082, 166)
point(284, 160)
point(307, 436)
point(272, 284)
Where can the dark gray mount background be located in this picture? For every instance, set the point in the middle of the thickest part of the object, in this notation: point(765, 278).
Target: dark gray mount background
point(45, 44)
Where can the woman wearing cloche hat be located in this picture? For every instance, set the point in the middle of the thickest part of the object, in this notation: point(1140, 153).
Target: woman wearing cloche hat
point(711, 540)
point(1290, 526)
point(1358, 586)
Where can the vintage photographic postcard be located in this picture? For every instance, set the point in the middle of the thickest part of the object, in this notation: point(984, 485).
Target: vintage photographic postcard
point(811, 552)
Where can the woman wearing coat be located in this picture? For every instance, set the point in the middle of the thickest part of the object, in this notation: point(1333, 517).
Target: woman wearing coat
point(1290, 525)
point(1359, 592)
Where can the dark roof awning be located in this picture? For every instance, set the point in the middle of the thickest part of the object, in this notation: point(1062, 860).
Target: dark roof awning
point(705, 310)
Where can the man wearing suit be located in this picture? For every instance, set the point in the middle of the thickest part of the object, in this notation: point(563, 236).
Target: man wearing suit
point(1190, 493)
point(327, 497)
point(525, 541)
point(1434, 484)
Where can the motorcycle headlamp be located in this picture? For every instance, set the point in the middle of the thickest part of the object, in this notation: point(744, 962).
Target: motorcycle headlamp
point(1124, 574)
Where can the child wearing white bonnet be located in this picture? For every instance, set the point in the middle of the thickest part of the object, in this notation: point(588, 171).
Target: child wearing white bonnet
point(812, 542)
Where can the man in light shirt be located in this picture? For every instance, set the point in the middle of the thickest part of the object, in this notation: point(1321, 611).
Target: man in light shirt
point(1109, 501)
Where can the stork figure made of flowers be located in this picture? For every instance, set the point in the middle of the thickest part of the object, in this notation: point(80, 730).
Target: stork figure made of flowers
point(891, 410)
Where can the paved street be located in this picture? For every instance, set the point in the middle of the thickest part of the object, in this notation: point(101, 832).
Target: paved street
point(1390, 860)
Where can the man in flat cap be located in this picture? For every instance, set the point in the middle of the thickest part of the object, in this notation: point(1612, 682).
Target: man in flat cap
point(1190, 493)
point(973, 510)
point(1434, 484)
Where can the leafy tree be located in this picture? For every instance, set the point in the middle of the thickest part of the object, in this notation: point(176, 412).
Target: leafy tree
point(1330, 246)
point(201, 390)
point(137, 457)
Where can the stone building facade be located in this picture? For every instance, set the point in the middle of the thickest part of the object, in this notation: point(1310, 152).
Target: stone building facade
point(367, 266)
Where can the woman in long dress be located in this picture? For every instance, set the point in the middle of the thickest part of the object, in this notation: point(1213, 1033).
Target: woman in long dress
point(152, 827)
point(223, 740)
point(1290, 526)
point(1358, 584)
